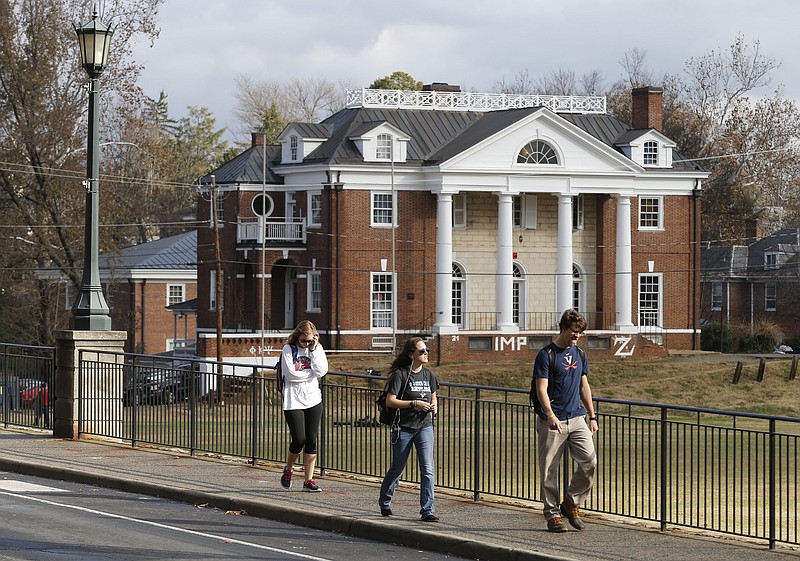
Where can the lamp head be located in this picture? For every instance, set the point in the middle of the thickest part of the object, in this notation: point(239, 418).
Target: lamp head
point(94, 38)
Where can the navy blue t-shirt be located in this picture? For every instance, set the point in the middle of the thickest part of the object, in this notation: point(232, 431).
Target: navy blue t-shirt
point(564, 386)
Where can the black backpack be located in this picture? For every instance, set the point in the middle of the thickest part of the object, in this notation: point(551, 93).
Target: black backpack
point(388, 415)
point(279, 381)
point(551, 355)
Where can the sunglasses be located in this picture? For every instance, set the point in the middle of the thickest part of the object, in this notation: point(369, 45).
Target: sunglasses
point(422, 351)
point(306, 341)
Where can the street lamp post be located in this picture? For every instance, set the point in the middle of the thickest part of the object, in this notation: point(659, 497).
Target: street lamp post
point(90, 311)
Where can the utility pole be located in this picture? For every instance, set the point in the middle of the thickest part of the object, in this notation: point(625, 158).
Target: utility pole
point(218, 275)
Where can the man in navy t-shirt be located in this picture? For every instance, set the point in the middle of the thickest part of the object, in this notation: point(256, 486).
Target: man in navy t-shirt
point(562, 389)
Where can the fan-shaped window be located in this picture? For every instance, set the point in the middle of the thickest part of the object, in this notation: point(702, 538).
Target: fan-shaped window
point(537, 152)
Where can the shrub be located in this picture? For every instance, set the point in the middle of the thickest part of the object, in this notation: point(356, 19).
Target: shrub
point(716, 336)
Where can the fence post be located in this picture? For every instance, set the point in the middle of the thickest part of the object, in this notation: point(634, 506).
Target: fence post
point(793, 369)
point(762, 364)
point(255, 392)
point(476, 491)
point(737, 373)
point(772, 490)
point(664, 464)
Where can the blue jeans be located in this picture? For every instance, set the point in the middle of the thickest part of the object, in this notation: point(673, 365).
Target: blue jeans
point(422, 440)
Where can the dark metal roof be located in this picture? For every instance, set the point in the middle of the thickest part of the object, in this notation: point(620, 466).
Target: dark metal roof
point(247, 167)
point(740, 260)
point(174, 252)
point(311, 130)
point(185, 307)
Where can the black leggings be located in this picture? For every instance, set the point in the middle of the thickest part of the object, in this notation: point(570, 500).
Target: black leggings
point(303, 427)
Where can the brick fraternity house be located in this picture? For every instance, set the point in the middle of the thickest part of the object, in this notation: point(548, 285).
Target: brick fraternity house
point(150, 288)
point(744, 284)
point(470, 219)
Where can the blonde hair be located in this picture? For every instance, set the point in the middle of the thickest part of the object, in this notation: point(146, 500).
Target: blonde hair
point(306, 328)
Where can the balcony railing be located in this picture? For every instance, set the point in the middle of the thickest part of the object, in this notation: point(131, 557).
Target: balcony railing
point(532, 321)
point(470, 101)
point(256, 230)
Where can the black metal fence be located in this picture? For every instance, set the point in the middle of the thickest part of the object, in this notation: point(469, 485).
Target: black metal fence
point(26, 385)
point(721, 471)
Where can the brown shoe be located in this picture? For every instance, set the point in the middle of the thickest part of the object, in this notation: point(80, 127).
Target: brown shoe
point(557, 524)
point(573, 514)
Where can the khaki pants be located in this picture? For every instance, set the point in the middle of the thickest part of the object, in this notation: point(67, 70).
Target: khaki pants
point(576, 434)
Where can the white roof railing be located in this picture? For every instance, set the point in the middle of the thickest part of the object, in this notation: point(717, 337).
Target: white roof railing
point(469, 101)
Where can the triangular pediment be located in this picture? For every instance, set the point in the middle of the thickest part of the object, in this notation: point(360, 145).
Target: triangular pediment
point(576, 151)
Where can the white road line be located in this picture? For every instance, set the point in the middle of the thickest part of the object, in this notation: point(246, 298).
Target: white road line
point(25, 487)
point(167, 527)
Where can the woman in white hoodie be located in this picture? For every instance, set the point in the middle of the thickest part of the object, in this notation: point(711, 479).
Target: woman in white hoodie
point(303, 363)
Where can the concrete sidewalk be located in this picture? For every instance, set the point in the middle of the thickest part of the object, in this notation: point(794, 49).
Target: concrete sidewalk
point(485, 530)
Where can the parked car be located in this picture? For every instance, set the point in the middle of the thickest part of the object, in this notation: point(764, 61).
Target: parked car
point(35, 392)
point(158, 385)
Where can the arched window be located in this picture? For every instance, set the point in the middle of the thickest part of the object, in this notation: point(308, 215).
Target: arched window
point(537, 152)
point(650, 153)
point(459, 295)
point(578, 297)
point(518, 292)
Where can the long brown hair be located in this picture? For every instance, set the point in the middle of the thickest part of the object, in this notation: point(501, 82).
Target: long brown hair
point(403, 360)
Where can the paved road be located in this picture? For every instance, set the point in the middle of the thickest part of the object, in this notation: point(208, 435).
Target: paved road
point(44, 519)
point(485, 530)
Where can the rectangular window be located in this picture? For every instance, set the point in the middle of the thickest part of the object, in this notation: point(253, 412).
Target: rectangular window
point(524, 211)
point(383, 151)
point(176, 293)
point(212, 292)
point(293, 148)
point(650, 311)
point(460, 210)
point(458, 303)
point(651, 214)
point(315, 209)
point(716, 296)
point(218, 205)
point(577, 212)
point(381, 298)
point(650, 156)
point(291, 205)
point(382, 209)
point(770, 297)
point(771, 261)
point(314, 280)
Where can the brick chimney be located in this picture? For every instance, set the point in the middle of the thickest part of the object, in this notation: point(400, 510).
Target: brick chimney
point(752, 230)
point(648, 108)
point(441, 87)
point(256, 138)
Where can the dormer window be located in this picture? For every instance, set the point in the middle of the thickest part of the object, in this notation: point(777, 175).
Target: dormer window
point(383, 149)
point(537, 152)
point(771, 261)
point(293, 147)
point(650, 154)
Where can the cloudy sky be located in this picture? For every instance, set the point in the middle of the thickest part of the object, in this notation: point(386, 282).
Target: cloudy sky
point(205, 44)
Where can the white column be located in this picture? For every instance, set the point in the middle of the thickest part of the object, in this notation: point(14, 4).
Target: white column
point(624, 274)
point(444, 264)
point(564, 257)
point(504, 283)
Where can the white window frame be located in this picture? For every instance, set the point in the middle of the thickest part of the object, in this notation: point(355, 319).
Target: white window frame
point(578, 215)
point(315, 209)
point(771, 260)
point(383, 147)
point(212, 293)
point(381, 307)
point(524, 211)
point(177, 298)
point(650, 153)
point(646, 315)
point(519, 291)
point(290, 205)
point(716, 296)
point(770, 296)
point(294, 145)
point(460, 210)
point(647, 214)
point(217, 204)
point(383, 196)
point(578, 288)
point(458, 296)
point(314, 291)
